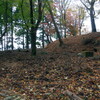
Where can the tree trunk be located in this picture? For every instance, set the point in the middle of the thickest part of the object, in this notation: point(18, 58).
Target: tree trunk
point(6, 23)
point(33, 41)
point(48, 40)
point(27, 40)
point(43, 32)
point(56, 28)
point(27, 29)
point(93, 25)
point(33, 31)
point(64, 24)
point(12, 38)
point(12, 29)
point(4, 43)
point(23, 41)
point(2, 38)
point(34, 25)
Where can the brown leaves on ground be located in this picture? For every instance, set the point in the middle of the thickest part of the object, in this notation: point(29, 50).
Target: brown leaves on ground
point(49, 74)
point(75, 43)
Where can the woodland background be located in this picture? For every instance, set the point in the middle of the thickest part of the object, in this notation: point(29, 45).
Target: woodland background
point(53, 59)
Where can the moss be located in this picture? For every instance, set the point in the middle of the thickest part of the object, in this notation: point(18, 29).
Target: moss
point(44, 52)
point(88, 54)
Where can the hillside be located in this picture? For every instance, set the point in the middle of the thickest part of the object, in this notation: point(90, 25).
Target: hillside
point(54, 73)
point(75, 43)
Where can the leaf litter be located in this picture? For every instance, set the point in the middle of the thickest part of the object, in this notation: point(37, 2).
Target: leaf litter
point(50, 74)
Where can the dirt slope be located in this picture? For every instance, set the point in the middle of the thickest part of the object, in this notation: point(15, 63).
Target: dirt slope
point(74, 43)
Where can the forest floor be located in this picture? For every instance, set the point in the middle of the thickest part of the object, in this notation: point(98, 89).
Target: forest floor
point(53, 72)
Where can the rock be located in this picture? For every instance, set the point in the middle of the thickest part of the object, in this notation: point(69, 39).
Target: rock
point(80, 54)
point(86, 54)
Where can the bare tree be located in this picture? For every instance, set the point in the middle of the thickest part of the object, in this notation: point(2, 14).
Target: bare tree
point(89, 5)
point(62, 8)
point(81, 17)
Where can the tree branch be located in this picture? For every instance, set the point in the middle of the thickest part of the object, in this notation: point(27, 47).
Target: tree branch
point(72, 96)
point(85, 5)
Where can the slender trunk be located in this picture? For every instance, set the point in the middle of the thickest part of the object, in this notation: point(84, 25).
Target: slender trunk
point(27, 40)
point(64, 24)
point(27, 27)
point(5, 19)
point(80, 23)
point(75, 28)
point(43, 37)
point(65, 33)
point(12, 29)
point(61, 27)
point(6, 23)
point(48, 41)
point(4, 43)
point(2, 37)
point(7, 41)
point(50, 38)
point(79, 30)
point(23, 41)
point(12, 39)
point(93, 25)
point(56, 28)
point(1, 40)
point(80, 27)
